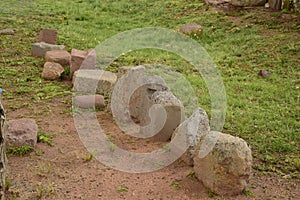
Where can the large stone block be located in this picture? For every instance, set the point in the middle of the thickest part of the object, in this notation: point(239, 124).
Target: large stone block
point(40, 49)
point(22, 132)
point(91, 81)
point(82, 60)
point(223, 163)
point(58, 56)
point(48, 36)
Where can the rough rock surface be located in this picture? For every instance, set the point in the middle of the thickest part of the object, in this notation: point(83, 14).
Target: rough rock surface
point(22, 132)
point(200, 120)
point(48, 36)
point(89, 101)
point(40, 49)
point(242, 3)
point(85, 80)
point(52, 71)
point(145, 104)
point(223, 163)
point(58, 56)
point(83, 60)
point(192, 28)
point(7, 31)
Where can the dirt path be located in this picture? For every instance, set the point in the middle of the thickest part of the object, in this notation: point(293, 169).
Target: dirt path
point(64, 171)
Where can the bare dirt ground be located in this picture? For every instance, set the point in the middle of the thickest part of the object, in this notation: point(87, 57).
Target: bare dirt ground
point(64, 170)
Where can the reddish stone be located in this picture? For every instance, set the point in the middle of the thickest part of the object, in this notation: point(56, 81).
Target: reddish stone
point(89, 101)
point(48, 36)
point(89, 60)
point(58, 56)
point(52, 71)
point(77, 57)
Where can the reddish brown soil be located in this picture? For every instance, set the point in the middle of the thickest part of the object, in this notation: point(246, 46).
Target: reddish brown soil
point(63, 172)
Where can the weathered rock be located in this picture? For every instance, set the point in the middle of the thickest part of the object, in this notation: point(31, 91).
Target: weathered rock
point(83, 60)
point(246, 3)
point(190, 29)
point(239, 3)
point(40, 49)
point(22, 132)
point(147, 101)
point(48, 36)
point(198, 119)
point(264, 73)
point(223, 163)
point(7, 31)
point(174, 114)
point(77, 57)
point(89, 101)
point(90, 59)
point(52, 71)
point(58, 56)
point(84, 80)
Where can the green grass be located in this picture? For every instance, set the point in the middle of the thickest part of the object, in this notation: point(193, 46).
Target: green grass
point(19, 151)
point(263, 111)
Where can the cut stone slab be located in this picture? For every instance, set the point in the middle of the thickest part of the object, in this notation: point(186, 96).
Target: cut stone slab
point(52, 71)
point(40, 49)
point(48, 36)
point(7, 31)
point(58, 56)
point(193, 134)
point(22, 132)
point(223, 163)
point(89, 101)
point(86, 80)
point(192, 28)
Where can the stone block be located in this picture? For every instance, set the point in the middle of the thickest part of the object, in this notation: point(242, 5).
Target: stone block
point(85, 80)
point(40, 49)
point(22, 132)
point(58, 56)
point(48, 36)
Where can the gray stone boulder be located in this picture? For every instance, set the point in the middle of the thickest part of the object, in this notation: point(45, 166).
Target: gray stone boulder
point(22, 132)
point(58, 56)
point(40, 49)
point(52, 71)
point(223, 163)
point(145, 105)
point(194, 128)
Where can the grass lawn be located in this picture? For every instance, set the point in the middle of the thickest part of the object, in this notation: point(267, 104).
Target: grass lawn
point(263, 111)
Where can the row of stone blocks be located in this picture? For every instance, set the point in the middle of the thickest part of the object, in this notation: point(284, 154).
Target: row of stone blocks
point(221, 161)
